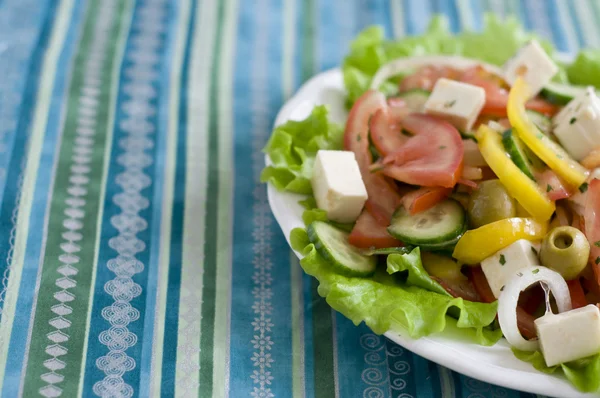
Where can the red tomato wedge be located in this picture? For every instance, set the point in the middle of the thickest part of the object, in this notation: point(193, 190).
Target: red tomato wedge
point(496, 94)
point(383, 197)
point(462, 289)
point(577, 295)
point(591, 216)
point(424, 198)
point(368, 233)
point(386, 130)
point(433, 156)
point(555, 188)
point(426, 77)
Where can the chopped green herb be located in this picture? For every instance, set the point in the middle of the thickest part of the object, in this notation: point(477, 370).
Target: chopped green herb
point(502, 288)
point(442, 147)
point(597, 244)
point(406, 133)
point(449, 104)
point(597, 260)
point(519, 273)
point(358, 137)
point(583, 187)
point(535, 271)
point(540, 136)
point(502, 259)
point(572, 120)
point(534, 250)
point(549, 188)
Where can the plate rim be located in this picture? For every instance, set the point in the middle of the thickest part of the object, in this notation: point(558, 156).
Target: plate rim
point(435, 348)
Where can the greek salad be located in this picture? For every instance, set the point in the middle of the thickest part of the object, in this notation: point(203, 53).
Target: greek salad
point(464, 188)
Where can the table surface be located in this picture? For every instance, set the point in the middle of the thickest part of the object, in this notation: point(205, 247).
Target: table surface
point(138, 254)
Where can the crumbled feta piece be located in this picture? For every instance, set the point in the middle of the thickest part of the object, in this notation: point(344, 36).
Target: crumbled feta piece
point(531, 62)
point(459, 103)
point(570, 335)
point(577, 126)
point(337, 185)
point(505, 263)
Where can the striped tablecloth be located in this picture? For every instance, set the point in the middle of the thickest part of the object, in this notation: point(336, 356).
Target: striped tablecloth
point(138, 254)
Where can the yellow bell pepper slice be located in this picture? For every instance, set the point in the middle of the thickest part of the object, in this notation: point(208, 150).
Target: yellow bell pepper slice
point(552, 154)
point(478, 244)
point(518, 185)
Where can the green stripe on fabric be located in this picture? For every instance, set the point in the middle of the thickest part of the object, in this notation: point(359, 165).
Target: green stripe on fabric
point(225, 208)
point(289, 31)
point(167, 199)
point(38, 130)
point(58, 332)
point(322, 345)
point(116, 69)
point(211, 244)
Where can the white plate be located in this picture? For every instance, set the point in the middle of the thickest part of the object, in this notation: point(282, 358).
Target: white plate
point(495, 364)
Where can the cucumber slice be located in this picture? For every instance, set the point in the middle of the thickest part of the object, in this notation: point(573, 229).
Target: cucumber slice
point(561, 94)
point(542, 122)
point(332, 244)
point(387, 250)
point(431, 229)
point(517, 152)
point(415, 99)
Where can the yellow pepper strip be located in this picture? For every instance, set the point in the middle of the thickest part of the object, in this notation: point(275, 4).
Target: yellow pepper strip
point(518, 185)
point(552, 154)
point(478, 244)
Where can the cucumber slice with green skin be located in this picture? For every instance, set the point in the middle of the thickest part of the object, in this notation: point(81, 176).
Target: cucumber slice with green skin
point(447, 246)
point(434, 227)
point(542, 122)
point(561, 94)
point(332, 244)
point(517, 152)
point(415, 99)
point(388, 250)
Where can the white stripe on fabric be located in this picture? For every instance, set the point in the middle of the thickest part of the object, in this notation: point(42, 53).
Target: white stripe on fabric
point(589, 29)
point(567, 25)
point(398, 18)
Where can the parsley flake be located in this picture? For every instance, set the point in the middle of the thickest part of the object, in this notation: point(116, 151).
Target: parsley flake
point(519, 273)
point(406, 133)
point(449, 104)
point(597, 260)
point(502, 288)
point(583, 187)
point(535, 271)
point(502, 259)
point(597, 244)
point(572, 120)
point(549, 188)
point(534, 251)
point(442, 147)
point(358, 138)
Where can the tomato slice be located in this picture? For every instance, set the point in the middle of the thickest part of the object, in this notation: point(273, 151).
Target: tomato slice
point(577, 295)
point(368, 233)
point(433, 156)
point(591, 216)
point(553, 185)
point(383, 197)
point(386, 130)
point(462, 289)
point(426, 77)
point(424, 198)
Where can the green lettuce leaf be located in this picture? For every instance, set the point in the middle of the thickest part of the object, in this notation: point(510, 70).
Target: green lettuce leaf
point(385, 304)
point(498, 41)
point(293, 147)
point(585, 70)
point(417, 276)
point(583, 373)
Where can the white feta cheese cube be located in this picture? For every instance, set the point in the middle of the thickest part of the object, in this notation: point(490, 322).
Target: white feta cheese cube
point(570, 335)
point(457, 102)
point(504, 264)
point(337, 185)
point(577, 126)
point(533, 64)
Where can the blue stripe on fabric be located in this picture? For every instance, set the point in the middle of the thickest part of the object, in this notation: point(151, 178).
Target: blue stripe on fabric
point(524, 16)
point(309, 349)
point(122, 130)
point(329, 52)
point(417, 16)
point(41, 199)
point(266, 98)
point(448, 8)
point(16, 116)
point(477, 12)
point(174, 19)
point(572, 17)
point(171, 326)
point(558, 33)
point(536, 10)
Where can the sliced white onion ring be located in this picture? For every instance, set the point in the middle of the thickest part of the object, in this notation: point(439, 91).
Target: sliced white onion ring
point(401, 65)
point(507, 302)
